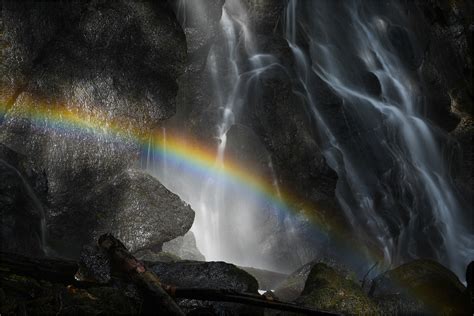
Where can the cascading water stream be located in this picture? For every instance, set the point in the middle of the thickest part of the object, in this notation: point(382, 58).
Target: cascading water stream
point(393, 186)
point(225, 226)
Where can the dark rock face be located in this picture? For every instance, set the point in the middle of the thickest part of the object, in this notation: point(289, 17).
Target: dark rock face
point(445, 28)
point(213, 275)
point(326, 289)
point(421, 286)
point(21, 212)
point(113, 61)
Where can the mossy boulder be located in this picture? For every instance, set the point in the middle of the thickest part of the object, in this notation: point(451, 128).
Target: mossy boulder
point(328, 289)
point(420, 287)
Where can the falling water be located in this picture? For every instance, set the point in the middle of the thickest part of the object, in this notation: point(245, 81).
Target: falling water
point(226, 225)
point(36, 203)
point(394, 185)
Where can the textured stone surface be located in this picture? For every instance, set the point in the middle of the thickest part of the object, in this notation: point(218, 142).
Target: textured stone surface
point(214, 275)
point(21, 212)
point(421, 286)
point(327, 289)
point(116, 62)
point(134, 207)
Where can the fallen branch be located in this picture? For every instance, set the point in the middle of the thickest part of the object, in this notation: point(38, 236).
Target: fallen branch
point(125, 263)
point(55, 270)
point(243, 298)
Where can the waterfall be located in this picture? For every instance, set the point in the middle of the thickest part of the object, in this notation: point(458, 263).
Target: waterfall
point(227, 217)
point(394, 184)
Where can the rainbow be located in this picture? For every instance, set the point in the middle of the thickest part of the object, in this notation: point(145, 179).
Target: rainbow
point(196, 156)
point(187, 151)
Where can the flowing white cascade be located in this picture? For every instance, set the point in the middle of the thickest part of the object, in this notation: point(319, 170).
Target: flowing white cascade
point(225, 225)
point(394, 184)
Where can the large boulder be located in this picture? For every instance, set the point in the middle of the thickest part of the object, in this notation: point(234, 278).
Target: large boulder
point(327, 289)
point(69, 71)
point(420, 287)
point(133, 206)
point(212, 275)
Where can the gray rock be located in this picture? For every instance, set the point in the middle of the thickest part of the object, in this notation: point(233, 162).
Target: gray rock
point(94, 265)
point(213, 275)
point(184, 247)
point(133, 206)
point(327, 289)
point(120, 59)
point(267, 280)
point(291, 288)
point(150, 255)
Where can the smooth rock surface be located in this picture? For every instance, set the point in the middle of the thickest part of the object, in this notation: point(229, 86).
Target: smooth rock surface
point(184, 247)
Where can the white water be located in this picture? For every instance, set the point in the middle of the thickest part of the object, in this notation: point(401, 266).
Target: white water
point(397, 191)
point(394, 186)
point(227, 218)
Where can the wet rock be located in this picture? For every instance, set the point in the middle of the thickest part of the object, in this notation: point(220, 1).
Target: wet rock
point(421, 286)
point(266, 15)
point(184, 247)
point(150, 255)
point(291, 288)
point(267, 280)
point(114, 61)
point(94, 265)
point(214, 275)
point(372, 84)
point(201, 26)
point(21, 211)
point(327, 289)
point(133, 206)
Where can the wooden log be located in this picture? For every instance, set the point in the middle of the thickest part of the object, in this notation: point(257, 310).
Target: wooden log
point(124, 265)
point(127, 265)
point(54, 270)
point(244, 298)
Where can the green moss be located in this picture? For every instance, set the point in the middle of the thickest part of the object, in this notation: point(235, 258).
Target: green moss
point(433, 286)
point(326, 289)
